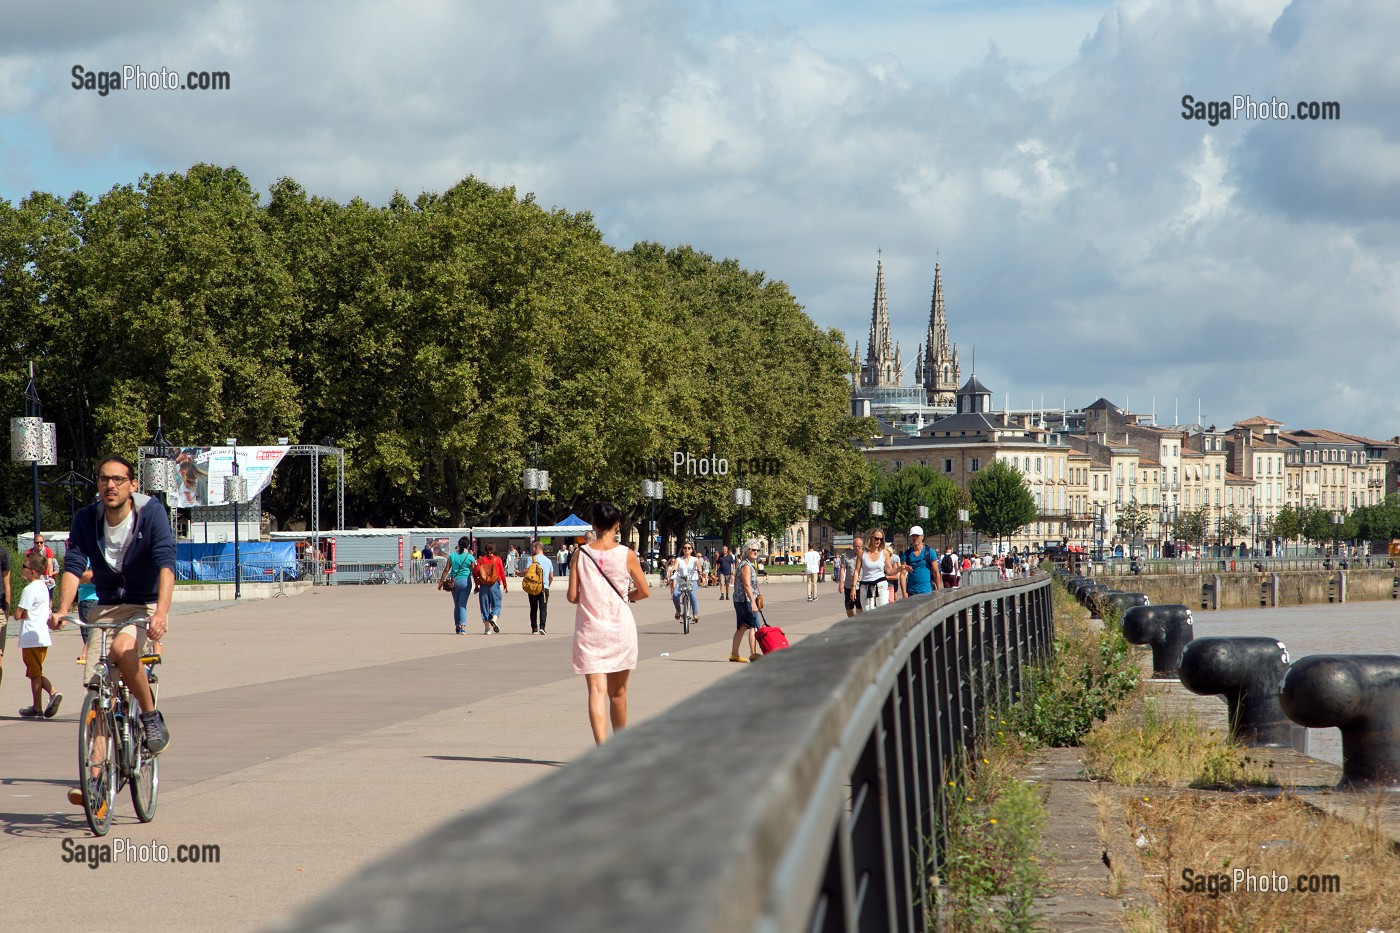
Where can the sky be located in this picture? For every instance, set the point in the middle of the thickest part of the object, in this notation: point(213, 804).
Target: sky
point(1093, 241)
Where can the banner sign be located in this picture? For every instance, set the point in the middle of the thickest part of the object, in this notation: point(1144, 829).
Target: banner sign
point(202, 471)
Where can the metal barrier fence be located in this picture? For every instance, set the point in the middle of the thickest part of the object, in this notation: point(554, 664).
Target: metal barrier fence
point(802, 793)
point(375, 572)
point(1123, 566)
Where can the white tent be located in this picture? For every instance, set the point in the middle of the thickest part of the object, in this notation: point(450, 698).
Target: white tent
point(572, 526)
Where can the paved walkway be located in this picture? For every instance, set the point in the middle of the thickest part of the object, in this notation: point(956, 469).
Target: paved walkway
point(314, 734)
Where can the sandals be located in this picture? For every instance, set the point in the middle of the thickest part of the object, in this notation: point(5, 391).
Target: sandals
point(755, 657)
point(737, 659)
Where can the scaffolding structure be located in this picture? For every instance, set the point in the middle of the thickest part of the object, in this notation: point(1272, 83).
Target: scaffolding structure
point(315, 451)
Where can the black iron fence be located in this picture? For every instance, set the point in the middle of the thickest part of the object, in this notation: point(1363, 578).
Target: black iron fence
point(802, 793)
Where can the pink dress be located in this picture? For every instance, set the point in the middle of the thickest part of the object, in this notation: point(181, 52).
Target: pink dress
point(605, 633)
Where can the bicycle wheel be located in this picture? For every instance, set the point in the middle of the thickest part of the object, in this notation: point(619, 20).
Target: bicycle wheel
point(97, 764)
point(145, 779)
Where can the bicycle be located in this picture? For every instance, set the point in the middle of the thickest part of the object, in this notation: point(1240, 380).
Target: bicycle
point(687, 613)
point(112, 743)
point(386, 574)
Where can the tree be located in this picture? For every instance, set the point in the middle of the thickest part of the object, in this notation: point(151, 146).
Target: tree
point(1288, 523)
point(1232, 527)
point(1001, 503)
point(1317, 524)
point(1193, 524)
point(1132, 521)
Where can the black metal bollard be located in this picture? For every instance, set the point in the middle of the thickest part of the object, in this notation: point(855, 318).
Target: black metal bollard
point(1247, 671)
point(1359, 694)
point(1124, 601)
point(1167, 629)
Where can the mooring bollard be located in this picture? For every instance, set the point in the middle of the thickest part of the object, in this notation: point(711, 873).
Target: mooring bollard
point(1125, 601)
point(1247, 671)
point(1167, 629)
point(1360, 695)
point(1098, 601)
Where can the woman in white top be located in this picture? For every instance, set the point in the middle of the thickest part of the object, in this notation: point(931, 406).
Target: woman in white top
point(874, 571)
point(685, 569)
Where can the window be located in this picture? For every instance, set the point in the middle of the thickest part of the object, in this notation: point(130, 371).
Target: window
point(898, 465)
point(947, 466)
point(1217, 471)
point(975, 465)
point(1037, 464)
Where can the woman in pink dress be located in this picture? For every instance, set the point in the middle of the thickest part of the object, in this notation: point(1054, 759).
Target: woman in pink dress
point(604, 577)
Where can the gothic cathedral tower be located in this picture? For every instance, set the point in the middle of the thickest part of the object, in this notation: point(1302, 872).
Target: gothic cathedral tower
point(883, 365)
point(940, 372)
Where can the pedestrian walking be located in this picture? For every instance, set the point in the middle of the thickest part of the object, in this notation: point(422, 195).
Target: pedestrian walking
point(606, 578)
point(918, 565)
point(536, 582)
point(490, 577)
point(459, 572)
point(848, 575)
point(875, 570)
point(746, 602)
point(813, 561)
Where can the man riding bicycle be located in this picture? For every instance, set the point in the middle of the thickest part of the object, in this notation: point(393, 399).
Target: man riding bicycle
point(684, 574)
point(126, 538)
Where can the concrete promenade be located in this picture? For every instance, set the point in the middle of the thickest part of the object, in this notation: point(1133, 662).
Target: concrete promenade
point(312, 735)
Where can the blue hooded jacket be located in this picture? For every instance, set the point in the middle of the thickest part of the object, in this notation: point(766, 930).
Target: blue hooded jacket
point(152, 549)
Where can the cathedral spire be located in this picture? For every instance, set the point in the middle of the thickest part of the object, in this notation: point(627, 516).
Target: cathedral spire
point(940, 372)
point(881, 363)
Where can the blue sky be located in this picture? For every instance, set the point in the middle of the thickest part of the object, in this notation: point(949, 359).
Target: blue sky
point(1093, 242)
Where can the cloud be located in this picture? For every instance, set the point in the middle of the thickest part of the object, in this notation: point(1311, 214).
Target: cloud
point(1093, 242)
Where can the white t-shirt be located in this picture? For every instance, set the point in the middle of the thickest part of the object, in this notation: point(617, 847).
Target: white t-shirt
point(813, 560)
point(687, 568)
point(118, 539)
point(34, 631)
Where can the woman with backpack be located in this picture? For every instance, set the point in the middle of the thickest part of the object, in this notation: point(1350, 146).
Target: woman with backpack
point(459, 572)
point(490, 576)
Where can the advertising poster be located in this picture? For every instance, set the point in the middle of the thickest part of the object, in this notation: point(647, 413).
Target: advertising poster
point(203, 469)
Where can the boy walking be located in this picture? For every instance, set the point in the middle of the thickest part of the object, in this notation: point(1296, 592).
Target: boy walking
point(34, 639)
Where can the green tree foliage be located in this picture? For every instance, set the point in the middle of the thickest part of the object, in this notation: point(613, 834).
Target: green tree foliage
point(1317, 524)
point(1193, 525)
point(1288, 523)
point(1133, 520)
point(904, 491)
point(441, 340)
point(1001, 503)
point(1232, 527)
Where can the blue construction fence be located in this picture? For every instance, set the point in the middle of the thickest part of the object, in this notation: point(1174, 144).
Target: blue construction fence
point(265, 562)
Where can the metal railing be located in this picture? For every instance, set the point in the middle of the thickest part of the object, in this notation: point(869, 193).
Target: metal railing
point(816, 809)
point(1123, 566)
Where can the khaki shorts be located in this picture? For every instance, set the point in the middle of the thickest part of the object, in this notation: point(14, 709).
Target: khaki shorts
point(122, 613)
point(34, 662)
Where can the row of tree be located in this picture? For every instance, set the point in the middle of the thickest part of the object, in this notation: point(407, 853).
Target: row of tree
point(1368, 523)
point(446, 342)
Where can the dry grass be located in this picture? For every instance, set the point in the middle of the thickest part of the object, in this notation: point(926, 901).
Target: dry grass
point(1218, 835)
point(1151, 746)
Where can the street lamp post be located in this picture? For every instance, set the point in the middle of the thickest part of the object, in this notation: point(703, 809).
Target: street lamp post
point(33, 440)
point(742, 497)
point(809, 504)
point(654, 490)
point(235, 488)
point(536, 482)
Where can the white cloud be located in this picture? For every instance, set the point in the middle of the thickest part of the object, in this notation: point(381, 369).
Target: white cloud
point(1093, 242)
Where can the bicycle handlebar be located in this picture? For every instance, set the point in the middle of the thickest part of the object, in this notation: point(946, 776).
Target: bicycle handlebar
point(135, 621)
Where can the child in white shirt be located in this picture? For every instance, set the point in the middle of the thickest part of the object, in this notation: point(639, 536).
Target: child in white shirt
point(34, 639)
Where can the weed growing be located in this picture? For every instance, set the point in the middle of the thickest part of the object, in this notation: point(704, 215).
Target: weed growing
point(1091, 671)
point(1231, 862)
point(1151, 746)
point(994, 823)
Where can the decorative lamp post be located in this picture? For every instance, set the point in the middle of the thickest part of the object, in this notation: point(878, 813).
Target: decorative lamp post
point(235, 491)
point(652, 490)
point(742, 497)
point(33, 440)
point(1337, 522)
point(809, 505)
point(536, 482)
